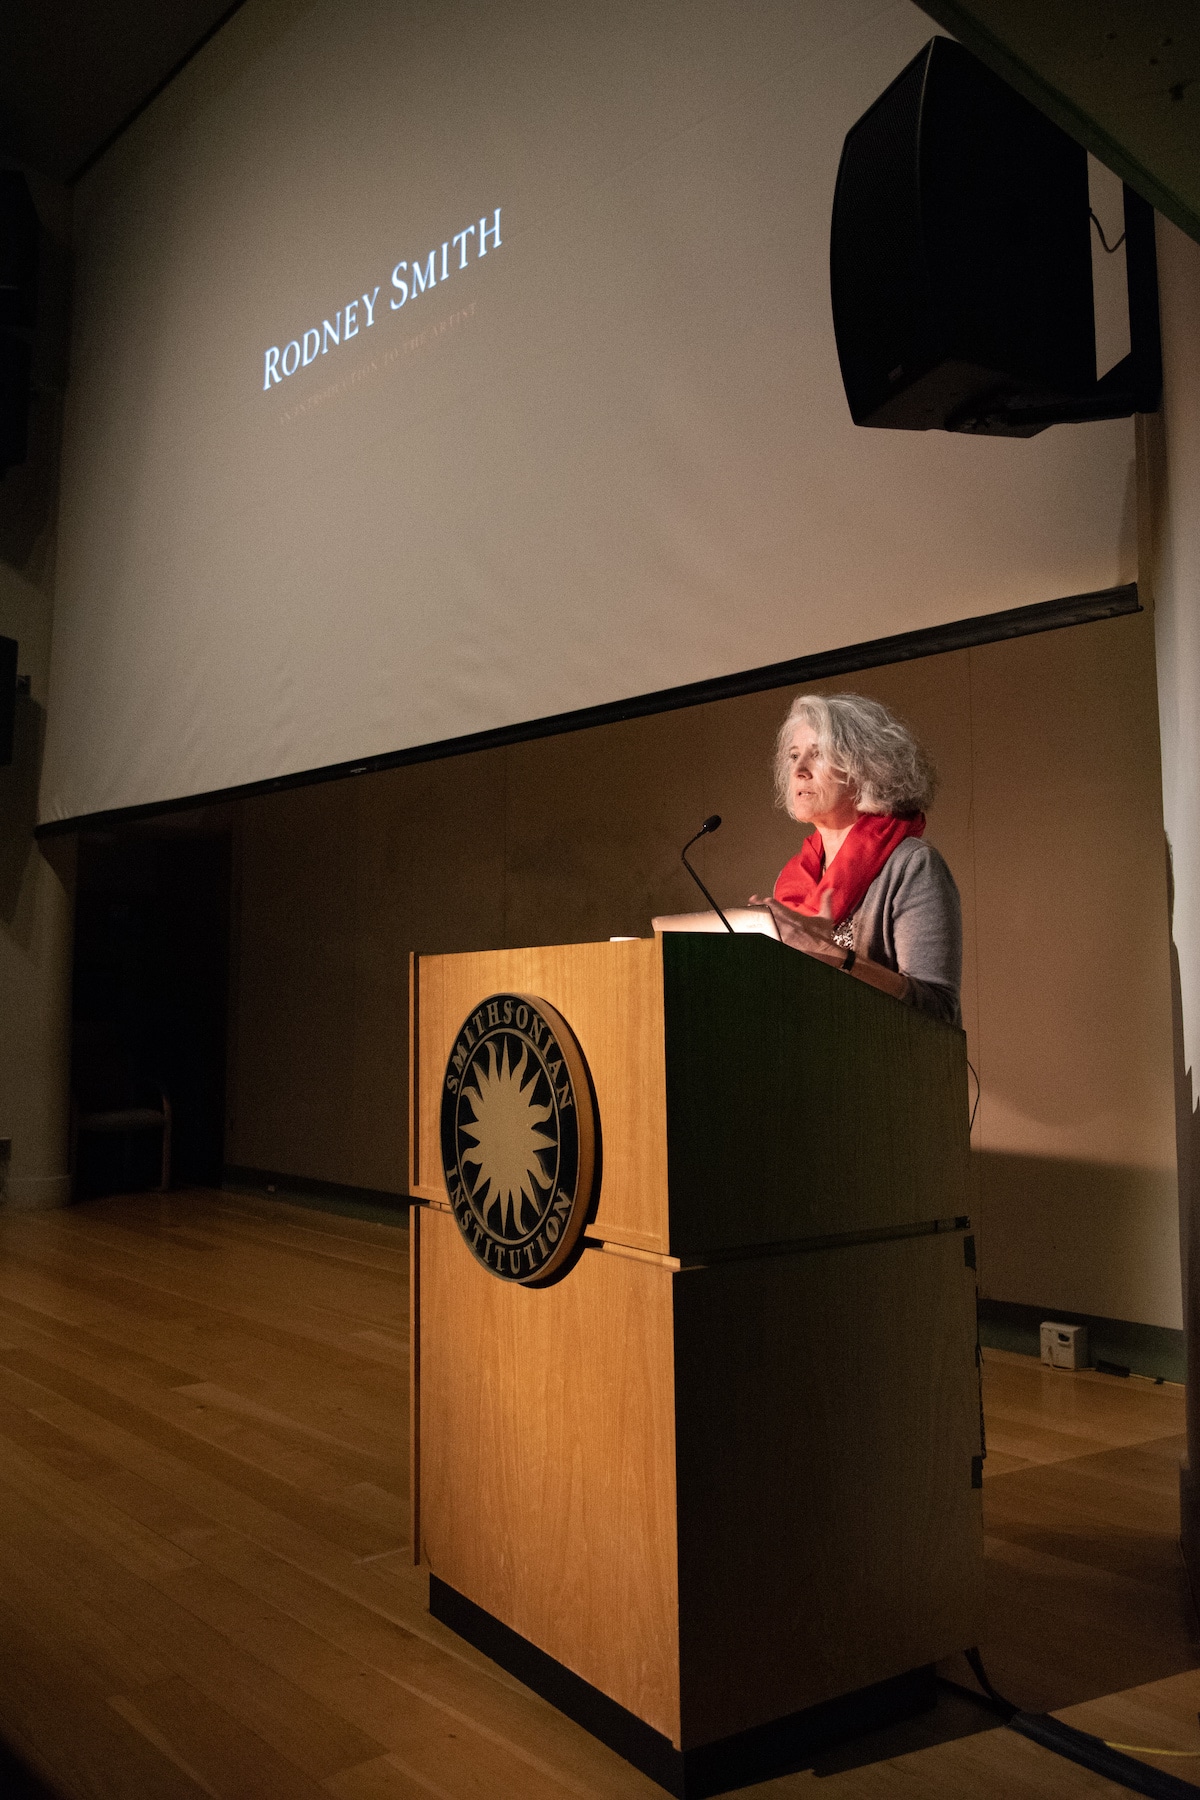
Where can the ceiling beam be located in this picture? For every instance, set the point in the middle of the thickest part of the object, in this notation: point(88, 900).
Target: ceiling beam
point(1122, 77)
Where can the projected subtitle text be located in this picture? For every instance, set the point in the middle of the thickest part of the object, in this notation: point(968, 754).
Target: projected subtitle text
point(409, 280)
point(384, 364)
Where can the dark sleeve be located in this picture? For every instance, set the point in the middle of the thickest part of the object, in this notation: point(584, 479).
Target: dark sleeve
point(926, 933)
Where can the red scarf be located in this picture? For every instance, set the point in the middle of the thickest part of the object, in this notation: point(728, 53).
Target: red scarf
point(804, 881)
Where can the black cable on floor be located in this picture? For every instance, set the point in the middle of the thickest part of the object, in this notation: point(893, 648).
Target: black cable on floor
point(1077, 1746)
point(1003, 1706)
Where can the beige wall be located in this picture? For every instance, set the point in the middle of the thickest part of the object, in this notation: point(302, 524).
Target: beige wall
point(1171, 560)
point(1050, 816)
point(1071, 1014)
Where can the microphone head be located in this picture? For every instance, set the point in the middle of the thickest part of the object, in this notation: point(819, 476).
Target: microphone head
point(712, 823)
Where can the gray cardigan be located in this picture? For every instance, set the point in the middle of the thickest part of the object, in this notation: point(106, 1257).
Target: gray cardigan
point(911, 920)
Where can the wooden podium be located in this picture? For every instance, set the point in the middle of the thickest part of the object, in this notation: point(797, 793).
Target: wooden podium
point(715, 1491)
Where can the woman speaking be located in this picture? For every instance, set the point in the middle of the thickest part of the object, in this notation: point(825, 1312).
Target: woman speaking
point(865, 893)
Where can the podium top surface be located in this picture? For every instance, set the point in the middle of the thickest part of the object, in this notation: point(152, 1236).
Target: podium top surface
point(748, 1096)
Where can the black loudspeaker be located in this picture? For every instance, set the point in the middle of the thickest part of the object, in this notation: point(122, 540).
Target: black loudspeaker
point(961, 264)
point(8, 696)
point(18, 311)
point(15, 369)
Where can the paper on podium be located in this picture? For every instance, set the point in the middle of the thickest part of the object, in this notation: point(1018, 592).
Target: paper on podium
point(744, 919)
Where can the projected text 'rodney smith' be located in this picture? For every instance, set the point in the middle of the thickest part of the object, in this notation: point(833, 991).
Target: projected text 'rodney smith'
point(408, 282)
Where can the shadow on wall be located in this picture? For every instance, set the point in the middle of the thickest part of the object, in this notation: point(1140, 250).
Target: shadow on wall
point(18, 803)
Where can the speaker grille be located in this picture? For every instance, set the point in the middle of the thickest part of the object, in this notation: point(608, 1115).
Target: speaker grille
point(879, 281)
point(960, 263)
point(15, 360)
point(18, 251)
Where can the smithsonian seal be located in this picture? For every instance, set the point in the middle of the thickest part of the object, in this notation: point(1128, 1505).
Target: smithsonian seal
point(519, 1134)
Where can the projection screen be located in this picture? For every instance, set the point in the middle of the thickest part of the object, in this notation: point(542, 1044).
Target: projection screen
point(441, 366)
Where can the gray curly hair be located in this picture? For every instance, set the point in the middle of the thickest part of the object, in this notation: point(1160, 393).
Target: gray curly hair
point(863, 741)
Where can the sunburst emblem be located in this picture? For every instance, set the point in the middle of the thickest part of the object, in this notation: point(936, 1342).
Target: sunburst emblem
point(515, 1157)
point(519, 1136)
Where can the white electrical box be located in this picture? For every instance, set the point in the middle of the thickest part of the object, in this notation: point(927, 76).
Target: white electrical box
point(1064, 1346)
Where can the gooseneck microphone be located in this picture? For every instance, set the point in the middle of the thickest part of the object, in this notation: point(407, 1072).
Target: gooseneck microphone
point(712, 823)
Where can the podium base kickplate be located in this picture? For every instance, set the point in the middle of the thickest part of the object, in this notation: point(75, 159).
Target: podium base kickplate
point(767, 1751)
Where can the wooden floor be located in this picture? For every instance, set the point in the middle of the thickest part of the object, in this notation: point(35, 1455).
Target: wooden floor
point(205, 1586)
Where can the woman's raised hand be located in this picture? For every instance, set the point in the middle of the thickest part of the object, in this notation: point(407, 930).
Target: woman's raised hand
point(812, 933)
